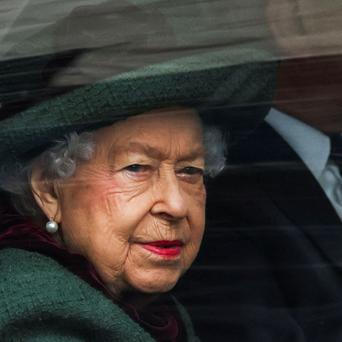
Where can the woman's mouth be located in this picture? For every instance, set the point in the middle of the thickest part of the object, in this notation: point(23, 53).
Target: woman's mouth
point(164, 248)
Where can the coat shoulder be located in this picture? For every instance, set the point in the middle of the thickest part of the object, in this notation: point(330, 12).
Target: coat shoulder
point(42, 300)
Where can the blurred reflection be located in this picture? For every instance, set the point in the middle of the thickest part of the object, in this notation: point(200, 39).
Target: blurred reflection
point(270, 269)
point(305, 27)
point(272, 261)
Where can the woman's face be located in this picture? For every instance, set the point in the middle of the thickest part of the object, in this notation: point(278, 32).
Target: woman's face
point(136, 210)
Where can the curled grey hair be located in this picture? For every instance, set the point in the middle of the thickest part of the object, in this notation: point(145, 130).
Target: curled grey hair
point(60, 162)
point(57, 162)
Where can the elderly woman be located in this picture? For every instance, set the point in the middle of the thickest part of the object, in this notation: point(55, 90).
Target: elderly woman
point(108, 180)
point(128, 197)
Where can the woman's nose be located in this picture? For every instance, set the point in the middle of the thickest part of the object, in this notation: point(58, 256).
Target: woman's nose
point(170, 201)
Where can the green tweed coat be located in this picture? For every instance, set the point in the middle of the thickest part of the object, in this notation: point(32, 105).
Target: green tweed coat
point(40, 300)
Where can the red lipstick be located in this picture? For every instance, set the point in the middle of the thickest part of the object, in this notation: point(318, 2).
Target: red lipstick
point(164, 247)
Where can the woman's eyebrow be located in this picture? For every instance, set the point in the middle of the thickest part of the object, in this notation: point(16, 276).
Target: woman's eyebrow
point(155, 153)
point(196, 153)
point(136, 147)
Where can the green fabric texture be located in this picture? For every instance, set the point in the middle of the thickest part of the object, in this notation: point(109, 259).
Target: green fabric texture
point(42, 301)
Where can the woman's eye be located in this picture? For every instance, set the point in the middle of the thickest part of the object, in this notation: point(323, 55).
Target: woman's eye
point(191, 170)
point(137, 168)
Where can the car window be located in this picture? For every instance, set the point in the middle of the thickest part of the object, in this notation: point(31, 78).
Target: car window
point(265, 78)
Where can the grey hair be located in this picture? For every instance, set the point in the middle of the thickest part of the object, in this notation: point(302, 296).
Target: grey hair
point(215, 147)
point(60, 162)
point(57, 163)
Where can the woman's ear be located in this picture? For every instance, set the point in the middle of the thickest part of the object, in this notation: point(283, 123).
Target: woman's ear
point(44, 192)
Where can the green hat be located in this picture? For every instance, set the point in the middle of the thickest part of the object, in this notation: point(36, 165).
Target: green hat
point(105, 62)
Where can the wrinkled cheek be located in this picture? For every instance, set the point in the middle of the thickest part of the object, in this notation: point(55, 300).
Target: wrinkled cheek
point(197, 227)
point(199, 197)
point(108, 252)
point(204, 196)
point(196, 238)
point(190, 254)
point(198, 213)
point(117, 216)
point(136, 258)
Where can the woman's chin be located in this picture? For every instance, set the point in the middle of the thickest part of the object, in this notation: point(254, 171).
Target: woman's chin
point(153, 283)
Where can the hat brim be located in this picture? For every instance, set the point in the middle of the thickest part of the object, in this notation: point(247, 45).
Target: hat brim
point(203, 82)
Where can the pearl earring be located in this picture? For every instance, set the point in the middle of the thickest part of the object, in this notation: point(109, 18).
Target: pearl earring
point(51, 226)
